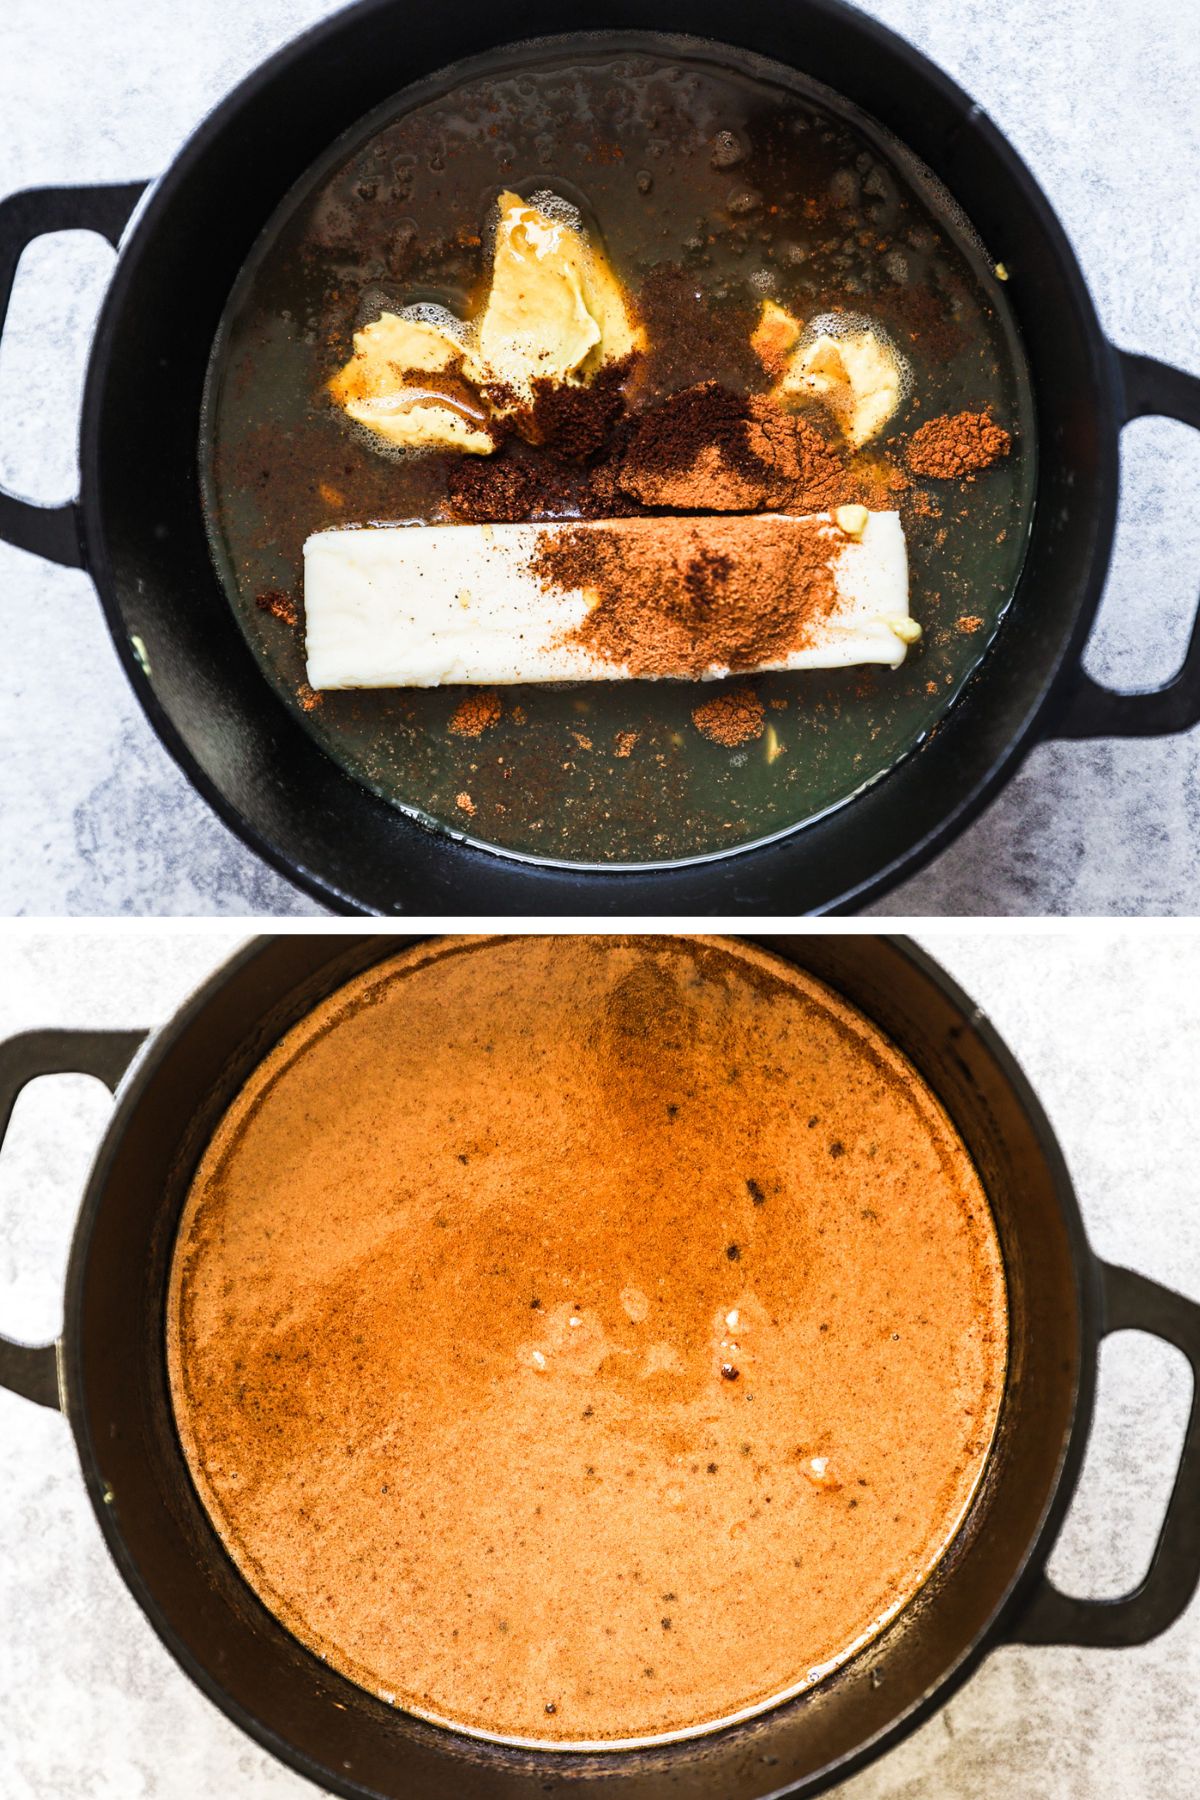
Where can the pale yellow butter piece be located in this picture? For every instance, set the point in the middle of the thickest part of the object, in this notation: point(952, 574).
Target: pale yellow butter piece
point(906, 629)
point(856, 373)
point(851, 519)
point(413, 419)
point(394, 345)
point(376, 389)
point(555, 308)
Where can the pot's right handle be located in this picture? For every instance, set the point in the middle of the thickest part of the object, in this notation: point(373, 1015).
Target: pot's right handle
point(32, 1369)
point(1135, 1303)
point(53, 531)
point(1092, 710)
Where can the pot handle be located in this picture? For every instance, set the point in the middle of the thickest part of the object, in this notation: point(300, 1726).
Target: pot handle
point(1135, 1303)
point(53, 531)
point(32, 1369)
point(1090, 709)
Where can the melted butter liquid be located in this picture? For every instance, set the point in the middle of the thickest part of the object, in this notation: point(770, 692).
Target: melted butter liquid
point(822, 211)
point(586, 1341)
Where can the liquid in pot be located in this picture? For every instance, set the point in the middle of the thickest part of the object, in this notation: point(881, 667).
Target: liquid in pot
point(713, 180)
point(586, 1341)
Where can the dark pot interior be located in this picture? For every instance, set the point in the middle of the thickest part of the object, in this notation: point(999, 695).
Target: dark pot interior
point(147, 546)
point(352, 1743)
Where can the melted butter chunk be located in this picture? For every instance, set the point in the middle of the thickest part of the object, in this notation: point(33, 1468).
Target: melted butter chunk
point(850, 365)
point(536, 322)
point(381, 386)
point(555, 310)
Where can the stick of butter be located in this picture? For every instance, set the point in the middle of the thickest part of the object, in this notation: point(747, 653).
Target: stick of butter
point(427, 605)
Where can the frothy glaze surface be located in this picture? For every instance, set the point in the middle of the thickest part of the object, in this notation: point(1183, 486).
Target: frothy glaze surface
point(457, 1299)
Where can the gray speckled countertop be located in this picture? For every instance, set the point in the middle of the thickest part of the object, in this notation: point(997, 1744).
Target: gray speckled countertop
point(93, 1705)
point(1098, 95)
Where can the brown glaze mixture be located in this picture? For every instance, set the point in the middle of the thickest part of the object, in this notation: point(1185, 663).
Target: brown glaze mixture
point(585, 1339)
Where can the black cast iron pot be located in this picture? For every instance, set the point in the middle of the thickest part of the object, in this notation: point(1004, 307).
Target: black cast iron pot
point(138, 527)
point(109, 1375)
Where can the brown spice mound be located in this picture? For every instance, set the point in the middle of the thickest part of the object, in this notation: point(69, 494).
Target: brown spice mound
point(624, 742)
point(730, 718)
point(567, 428)
point(465, 804)
point(676, 597)
point(690, 450)
point(708, 449)
point(970, 623)
point(503, 489)
point(813, 469)
point(281, 606)
point(957, 444)
point(476, 713)
point(575, 422)
point(519, 483)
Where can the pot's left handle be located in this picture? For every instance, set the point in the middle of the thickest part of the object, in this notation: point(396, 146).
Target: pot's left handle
point(1135, 1303)
point(1091, 710)
point(53, 531)
point(32, 1369)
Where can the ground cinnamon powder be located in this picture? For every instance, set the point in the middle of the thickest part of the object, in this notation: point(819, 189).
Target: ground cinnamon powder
point(574, 421)
point(676, 597)
point(702, 449)
point(957, 444)
point(281, 606)
point(732, 717)
point(476, 713)
point(708, 449)
point(454, 1294)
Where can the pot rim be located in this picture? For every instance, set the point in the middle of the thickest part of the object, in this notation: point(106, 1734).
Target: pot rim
point(567, 887)
point(1085, 1266)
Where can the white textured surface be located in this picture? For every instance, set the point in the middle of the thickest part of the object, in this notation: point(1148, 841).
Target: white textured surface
point(1100, 98)
point(94, 1706)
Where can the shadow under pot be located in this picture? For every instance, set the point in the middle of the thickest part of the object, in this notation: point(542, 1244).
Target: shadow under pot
point(605, 798)
point(109, 1375)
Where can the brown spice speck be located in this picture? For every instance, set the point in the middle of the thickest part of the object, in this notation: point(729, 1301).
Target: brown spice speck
point(957, 444)
point(281, 606)
point(476, 713)
point(465, 804)
point(730, 718)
